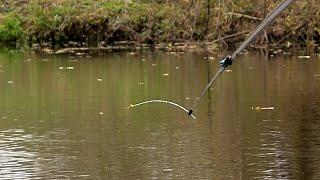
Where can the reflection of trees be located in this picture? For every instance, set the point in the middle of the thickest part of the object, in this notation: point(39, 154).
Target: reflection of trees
point(309, 132)
point(210, 107)
point(62, 131)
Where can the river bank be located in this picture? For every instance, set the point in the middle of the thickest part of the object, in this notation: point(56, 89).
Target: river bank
point(181, 25)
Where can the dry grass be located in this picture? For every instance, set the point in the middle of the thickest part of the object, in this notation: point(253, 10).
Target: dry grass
point(92, 21)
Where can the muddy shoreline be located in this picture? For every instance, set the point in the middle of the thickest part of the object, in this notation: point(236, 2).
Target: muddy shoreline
point(174, 48)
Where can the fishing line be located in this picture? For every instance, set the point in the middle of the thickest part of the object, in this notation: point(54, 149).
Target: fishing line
point(227, 61)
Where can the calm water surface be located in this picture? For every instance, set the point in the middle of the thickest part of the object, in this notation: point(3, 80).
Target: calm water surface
point(63, 117)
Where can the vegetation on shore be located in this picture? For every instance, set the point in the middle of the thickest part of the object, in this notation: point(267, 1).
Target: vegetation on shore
point(101, 23)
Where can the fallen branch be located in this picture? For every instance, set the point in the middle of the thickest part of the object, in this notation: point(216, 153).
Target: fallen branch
point(244, 16)
point(229, 36)
point(88, 49)
point(292, 32)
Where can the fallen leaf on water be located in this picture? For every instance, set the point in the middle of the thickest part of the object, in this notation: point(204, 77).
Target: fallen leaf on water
point(304, 57)
point(165, 74)
point(101, 113)
point(80, 54)
point(99, 79)
point(228, 70)
point(187, 98)
point(258, 108)
point(167, 170)
point(70, 67)
point(61, 67)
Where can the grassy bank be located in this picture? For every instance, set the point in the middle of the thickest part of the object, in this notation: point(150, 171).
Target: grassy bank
point(84, 23)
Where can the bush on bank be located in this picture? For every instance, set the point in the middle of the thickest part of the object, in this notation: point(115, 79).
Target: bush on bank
point(62, 23)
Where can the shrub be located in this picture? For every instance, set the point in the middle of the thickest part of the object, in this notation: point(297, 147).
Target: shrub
point(10, 30)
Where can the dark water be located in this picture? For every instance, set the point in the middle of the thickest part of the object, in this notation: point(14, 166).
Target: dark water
point(63, 118)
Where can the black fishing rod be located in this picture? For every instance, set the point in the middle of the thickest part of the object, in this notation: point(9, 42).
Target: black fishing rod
point(228, 60)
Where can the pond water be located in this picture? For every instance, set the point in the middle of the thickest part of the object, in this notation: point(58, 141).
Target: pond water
point(64, 117)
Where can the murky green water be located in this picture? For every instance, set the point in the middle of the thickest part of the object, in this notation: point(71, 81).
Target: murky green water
point(63, 117)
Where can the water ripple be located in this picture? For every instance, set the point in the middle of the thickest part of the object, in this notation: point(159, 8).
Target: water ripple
point(27, 156)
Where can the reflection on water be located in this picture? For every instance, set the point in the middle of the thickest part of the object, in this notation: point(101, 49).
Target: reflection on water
point(28, 156)
point(63, 117)
point(273, 154)
point(15, 160)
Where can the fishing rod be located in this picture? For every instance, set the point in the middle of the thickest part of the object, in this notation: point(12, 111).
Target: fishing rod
point(161, 101)
point(228, 60)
